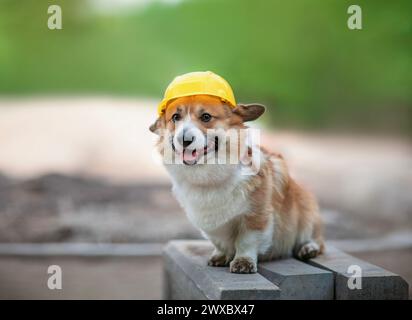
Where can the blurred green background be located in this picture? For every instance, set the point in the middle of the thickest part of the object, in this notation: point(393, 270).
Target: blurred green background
point(298, 57)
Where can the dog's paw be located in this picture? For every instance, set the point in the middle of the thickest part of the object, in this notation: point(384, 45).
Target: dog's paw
point(218, 260)
point(308, 251)
point(243, 265)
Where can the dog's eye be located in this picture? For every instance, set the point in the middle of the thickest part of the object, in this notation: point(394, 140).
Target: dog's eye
point(205, 117)
point(176, 117)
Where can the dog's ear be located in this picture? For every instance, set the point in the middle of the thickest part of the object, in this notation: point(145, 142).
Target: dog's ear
point(249, 112)
point(157, 125)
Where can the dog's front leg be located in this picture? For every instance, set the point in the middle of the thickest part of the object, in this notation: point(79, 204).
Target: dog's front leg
point(247, 244)
point(221, 255)
point(218, 259)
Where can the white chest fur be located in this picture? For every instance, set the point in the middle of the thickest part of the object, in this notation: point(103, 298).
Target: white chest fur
point(211, 195)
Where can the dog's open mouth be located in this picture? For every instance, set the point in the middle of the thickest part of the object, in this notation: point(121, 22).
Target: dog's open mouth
point(191, 156)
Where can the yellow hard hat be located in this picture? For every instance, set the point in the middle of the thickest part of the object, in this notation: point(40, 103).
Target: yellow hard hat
point(196, 83)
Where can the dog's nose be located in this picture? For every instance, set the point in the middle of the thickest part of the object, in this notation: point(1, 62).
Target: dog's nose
point(187, 143)
point(186, 139)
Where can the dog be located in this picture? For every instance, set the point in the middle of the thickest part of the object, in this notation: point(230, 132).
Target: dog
point(247, 217)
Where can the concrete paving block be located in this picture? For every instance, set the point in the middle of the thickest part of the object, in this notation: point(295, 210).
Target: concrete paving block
point(376, 283)
point(298, 280)
point(187, 276)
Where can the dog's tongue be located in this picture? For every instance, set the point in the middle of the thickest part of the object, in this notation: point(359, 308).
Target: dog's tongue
point(189, 155)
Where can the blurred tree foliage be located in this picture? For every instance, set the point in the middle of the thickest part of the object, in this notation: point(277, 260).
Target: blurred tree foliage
point(298, 57)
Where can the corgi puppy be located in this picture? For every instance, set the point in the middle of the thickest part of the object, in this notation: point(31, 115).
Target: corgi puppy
point(247, 217)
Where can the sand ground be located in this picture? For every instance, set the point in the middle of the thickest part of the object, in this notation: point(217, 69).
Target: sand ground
point(122, 278)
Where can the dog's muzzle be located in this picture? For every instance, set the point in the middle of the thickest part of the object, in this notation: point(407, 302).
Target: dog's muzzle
point(191, 154)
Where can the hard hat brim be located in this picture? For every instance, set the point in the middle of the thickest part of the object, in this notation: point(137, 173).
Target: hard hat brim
point(163, 104)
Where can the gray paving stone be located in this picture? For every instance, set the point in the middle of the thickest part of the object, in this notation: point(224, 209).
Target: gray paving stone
point(298, 280)
point(187, 276)
point(377, 283)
